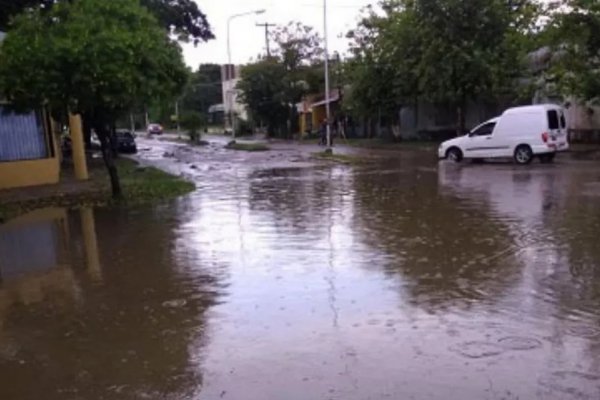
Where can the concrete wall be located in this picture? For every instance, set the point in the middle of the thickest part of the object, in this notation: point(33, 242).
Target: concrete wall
point(230, 77)
point(426, 120)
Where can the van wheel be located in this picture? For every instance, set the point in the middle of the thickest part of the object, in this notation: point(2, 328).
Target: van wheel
point(523, 155)
point(547, 158)
point(454, 154)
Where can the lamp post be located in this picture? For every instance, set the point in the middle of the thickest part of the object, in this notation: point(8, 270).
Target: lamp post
point(230, 91)
point(327, 106)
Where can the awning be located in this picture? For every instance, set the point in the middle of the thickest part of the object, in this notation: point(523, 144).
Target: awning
point(335, 97)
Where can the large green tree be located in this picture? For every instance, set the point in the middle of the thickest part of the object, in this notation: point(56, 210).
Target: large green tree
point(575, 35)
point(444, 51)
point(94, 57)
point(263, 91)
point(298, 48)
point(203, 90)
point(179, 17)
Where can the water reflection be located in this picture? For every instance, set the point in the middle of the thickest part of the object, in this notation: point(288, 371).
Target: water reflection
point(84, 315)
point(395, 280)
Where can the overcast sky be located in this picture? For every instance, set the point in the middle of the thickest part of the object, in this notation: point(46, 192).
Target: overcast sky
point(247, 40)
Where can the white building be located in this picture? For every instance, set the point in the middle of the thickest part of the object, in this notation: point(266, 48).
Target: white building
point(230, 76)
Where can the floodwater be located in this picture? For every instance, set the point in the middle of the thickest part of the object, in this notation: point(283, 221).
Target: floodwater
point(400, 279)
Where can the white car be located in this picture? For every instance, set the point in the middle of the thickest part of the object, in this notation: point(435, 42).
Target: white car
point(521, 133)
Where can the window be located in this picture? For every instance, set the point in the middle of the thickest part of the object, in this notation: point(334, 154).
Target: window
point(553, 120)
point(21, 136)
point(484, 130)
point(563, 121)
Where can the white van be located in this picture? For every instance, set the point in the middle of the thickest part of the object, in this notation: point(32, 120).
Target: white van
point(521, 133)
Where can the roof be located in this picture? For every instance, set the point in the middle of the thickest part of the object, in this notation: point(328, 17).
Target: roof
point(531, 109)
point(334, 96)
point(216, 108)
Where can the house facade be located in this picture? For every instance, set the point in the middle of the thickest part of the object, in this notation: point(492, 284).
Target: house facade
point(30, 150)
point(230, 77)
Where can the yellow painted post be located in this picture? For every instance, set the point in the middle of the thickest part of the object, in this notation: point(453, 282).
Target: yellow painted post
point(88, 228)
point(78, 147)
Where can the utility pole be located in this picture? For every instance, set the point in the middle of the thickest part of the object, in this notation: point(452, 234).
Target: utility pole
point(327, 105)
point(267, 25)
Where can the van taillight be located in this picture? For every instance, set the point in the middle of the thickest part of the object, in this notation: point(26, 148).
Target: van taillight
point(545, 137)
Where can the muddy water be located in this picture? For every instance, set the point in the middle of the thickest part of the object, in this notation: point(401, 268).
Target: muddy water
point(399, 280)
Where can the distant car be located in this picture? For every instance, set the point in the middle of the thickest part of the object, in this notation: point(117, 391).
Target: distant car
point(521, 133)
point(125, 141)
point(155, 129)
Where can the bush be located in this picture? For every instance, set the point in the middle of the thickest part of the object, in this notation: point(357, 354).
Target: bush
point(243, 127)
point(193, 122)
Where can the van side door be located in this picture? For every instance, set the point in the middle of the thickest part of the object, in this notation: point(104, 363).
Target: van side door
point(480, 143)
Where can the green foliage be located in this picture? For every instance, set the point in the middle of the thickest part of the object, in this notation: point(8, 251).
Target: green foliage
point(93, 57)
point(182, 18)
point(262, 89)
point(193, 122)
point(445, 51)
point(203, 90)
point(179, 17)
point(89, 55)
point(297, 45)
point(273, 86)
point(148, 185)
point(575, 36)
point(145, 185)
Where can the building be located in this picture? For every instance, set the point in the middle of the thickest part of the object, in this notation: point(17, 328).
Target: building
point(30, 150)
point(29, 153)
point(216, 114)
point(230, 77)
point(312, 111)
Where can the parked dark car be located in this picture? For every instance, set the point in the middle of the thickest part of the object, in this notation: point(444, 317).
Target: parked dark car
point(155, 129)
point(125, 141)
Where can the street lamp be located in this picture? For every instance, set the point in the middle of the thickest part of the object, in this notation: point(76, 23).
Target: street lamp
point(231, 91)
point(327, 105)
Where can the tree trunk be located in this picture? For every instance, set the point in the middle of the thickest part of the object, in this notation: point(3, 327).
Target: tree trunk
point(460, 119)
point(107, 155)
point(86, 124)
point(114, 145)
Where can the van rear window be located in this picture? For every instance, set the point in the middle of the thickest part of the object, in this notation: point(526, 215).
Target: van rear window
point(553, 120)
point(563, 121)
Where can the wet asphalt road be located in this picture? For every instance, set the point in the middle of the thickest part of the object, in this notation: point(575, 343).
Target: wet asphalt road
point(285, 278)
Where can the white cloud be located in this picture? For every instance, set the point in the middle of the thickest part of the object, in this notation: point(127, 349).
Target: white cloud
point(248, 41)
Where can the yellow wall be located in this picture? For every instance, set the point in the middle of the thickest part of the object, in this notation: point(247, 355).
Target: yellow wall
point(29, 173)
point(319, 114)
point(44, 171)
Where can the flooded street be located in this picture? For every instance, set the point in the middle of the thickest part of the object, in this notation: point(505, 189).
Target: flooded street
point(280, 278)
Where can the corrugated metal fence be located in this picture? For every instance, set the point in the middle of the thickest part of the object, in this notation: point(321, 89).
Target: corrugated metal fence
point(21, 136)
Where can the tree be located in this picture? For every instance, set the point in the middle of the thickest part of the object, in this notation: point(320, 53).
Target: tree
point(576, 40)
point(94, 57)
point(203, 90)
point(262, 90)
point(467, 54)
point(182, 18)
point(383, 69)
point(11, 8)
point(298, 49)
point(444, 51)
point(193, 121)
